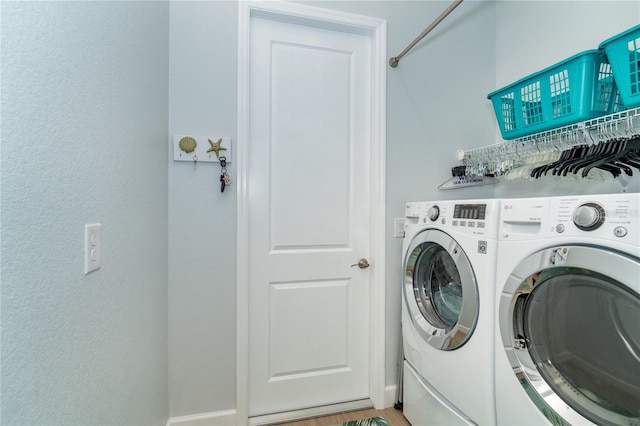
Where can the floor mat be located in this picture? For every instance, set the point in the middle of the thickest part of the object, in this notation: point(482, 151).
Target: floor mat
point(372, 421)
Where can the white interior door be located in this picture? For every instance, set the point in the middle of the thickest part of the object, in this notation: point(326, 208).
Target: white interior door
point(309, 203)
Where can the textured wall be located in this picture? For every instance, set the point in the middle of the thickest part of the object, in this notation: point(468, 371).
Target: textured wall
point(84, 136)
point(202, 220)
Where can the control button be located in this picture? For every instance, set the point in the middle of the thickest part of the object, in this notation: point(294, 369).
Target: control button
point(471, 224)
point(433, 213)
point(620, 231)
point(463, 223)
point(559, 228)
point(454, 223)
point(480, 225)
point(443, 220)
point(589, 216)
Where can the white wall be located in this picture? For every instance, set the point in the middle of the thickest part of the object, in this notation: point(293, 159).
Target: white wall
point(84, 137)
point(202, 220)
point(436, 103)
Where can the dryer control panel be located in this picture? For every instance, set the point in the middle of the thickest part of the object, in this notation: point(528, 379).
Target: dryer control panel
point(614, 217)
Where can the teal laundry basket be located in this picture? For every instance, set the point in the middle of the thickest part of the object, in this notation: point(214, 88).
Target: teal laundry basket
point(623, 53)
point(579, 88)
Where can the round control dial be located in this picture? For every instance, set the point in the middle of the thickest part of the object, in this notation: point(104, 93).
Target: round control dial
point(433, 213)
point(589, 216)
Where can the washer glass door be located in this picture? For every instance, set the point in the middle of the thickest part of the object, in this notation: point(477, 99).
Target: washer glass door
point(440, 290)
point(579, 328)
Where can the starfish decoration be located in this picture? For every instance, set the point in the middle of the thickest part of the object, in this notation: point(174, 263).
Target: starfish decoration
point(216, 147)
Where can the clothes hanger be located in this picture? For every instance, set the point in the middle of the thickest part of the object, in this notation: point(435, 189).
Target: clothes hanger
point(606, 161)
point(583, 156)
point(631, 157)
point(594, 153)
point(564, 156)
point(575, 154)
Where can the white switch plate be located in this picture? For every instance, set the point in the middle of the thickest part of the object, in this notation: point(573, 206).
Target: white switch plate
point(398, 227)
point(92, 247)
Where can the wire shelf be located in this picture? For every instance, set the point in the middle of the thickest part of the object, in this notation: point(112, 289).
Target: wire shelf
point(499, 158)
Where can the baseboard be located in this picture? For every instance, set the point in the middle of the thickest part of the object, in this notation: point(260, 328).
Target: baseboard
point(228, 417)
point(390, 396)
point(216, 418)
point(307, 413)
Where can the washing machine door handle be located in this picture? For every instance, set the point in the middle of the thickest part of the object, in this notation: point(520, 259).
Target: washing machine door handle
point(362, 264)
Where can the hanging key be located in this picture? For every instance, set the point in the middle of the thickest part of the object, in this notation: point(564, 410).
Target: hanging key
point(224, 177)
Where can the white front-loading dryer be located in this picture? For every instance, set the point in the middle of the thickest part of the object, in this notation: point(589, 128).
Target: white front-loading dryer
point(568, 311)
point(449, 254)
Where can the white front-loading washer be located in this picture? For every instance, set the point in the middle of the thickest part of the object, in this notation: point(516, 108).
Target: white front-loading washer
point(449, 254)
point(568, 311)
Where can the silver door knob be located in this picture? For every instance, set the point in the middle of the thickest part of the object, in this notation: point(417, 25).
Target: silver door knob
point(362, 264)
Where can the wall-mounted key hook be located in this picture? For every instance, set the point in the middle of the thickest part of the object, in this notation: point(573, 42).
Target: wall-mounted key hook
point(208, 148)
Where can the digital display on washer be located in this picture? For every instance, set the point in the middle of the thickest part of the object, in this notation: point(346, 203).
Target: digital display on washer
point(469, 211)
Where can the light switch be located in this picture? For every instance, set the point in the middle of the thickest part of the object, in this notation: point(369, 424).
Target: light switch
point(92, 247)
point(398, 227)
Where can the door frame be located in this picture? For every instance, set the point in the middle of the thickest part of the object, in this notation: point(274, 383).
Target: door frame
point(376, 29)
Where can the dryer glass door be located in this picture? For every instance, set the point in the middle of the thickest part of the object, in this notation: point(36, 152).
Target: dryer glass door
point(440, 290)
point(584, 334)
point(575, 324)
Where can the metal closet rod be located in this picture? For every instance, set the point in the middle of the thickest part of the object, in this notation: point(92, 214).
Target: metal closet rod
point(394, 61)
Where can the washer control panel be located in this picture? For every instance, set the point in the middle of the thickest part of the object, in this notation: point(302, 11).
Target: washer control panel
point(433, 213)
point(475, 217)
point(469, 215)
